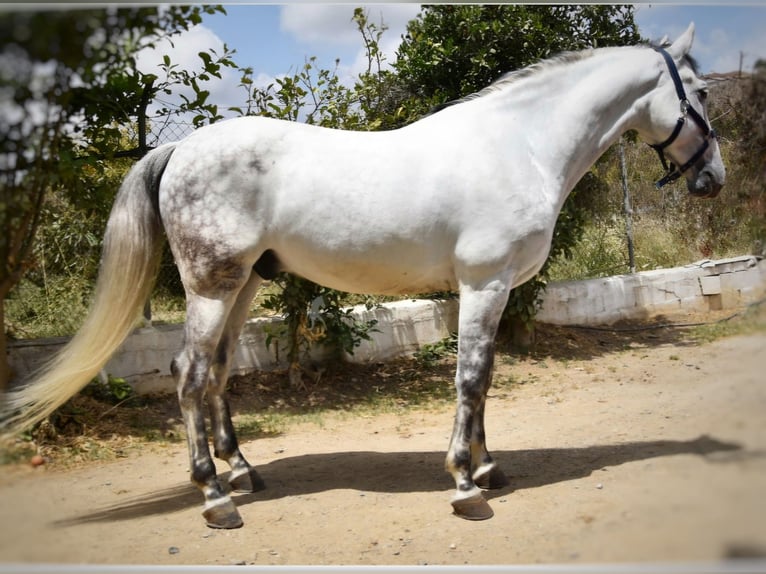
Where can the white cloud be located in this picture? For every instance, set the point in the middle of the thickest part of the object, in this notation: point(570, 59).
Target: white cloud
point(330, 27)
point(319, 24)
point(711, 46)
point(264, 80)
point(182, 51)
point(754, 49)
point(322, 25)
point(326, 30)
point(395, 17)
point(722, 50)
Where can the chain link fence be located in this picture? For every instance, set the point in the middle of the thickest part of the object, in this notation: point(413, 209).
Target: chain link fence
point(169, 130)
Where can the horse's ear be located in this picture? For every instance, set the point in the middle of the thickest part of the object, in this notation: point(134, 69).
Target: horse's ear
point(683, 44)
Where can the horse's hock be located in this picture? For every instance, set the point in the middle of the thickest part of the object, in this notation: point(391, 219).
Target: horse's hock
point(403, 326)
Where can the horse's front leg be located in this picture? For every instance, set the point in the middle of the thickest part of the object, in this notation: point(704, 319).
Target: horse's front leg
point(467, 458)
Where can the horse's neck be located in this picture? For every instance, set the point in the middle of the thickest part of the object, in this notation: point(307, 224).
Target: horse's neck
point(579, 109)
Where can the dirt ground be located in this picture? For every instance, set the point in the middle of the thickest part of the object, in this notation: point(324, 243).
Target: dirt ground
point(639, 447)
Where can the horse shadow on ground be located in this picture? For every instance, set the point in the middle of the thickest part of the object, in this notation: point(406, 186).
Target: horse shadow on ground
point(583, 342)
point(403, 472)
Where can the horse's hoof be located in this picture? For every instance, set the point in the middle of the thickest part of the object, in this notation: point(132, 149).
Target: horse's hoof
point(224, 515)
point(492, 479)
point(473, 508)
point(249, 481)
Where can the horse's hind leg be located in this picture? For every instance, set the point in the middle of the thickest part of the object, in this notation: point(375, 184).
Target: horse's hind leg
point(205, 322)
point(244, 477)
point(467, 459)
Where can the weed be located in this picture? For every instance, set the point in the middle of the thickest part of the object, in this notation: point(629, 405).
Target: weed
point(262, 425)
point(751, 320)
point(13, 451)
point(313, 315)
point(504, 382)
point(431, 353)
point(110, 388)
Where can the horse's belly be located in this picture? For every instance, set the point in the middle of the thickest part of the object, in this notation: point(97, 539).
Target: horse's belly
point(373, 275)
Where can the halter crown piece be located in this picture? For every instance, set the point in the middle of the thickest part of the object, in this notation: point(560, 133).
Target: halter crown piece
point(672, 172)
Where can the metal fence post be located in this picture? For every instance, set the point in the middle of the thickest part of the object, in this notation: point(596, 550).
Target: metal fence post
point(627, 207)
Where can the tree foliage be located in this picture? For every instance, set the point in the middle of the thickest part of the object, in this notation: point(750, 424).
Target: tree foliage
point(319, 96)
point(737, 109)
point(450, 51)
point(754, 119)
point(70, 85)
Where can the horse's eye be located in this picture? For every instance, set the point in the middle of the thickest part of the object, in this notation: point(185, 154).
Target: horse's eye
point(703, 93)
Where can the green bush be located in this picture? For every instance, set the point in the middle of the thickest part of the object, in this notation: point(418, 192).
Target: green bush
point(55, 308)
point(600, 252)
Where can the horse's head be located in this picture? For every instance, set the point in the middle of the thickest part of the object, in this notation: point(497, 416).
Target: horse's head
point(679, 128)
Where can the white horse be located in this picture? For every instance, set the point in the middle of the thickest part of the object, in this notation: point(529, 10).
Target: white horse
point(463, 199)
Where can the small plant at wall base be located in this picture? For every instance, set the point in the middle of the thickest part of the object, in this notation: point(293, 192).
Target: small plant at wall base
point(431, 353)
point(109, 388)
point(312, 315)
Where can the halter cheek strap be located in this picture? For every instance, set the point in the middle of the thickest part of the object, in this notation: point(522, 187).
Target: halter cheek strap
point(673, 172)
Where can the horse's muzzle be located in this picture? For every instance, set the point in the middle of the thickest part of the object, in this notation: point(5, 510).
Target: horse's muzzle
point(706, 185)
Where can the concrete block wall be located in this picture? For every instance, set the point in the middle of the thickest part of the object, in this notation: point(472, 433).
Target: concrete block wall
point(144, 358)
point(404, 326)
point(699, 287)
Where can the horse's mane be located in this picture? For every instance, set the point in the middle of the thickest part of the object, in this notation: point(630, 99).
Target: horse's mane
point(517, 75)
point(558, 60)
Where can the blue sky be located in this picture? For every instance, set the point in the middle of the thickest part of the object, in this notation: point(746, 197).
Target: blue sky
point(271, 38)
point(276, 39)
point(722, 31)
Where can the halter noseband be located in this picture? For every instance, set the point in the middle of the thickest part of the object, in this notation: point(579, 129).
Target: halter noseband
point(672, 172)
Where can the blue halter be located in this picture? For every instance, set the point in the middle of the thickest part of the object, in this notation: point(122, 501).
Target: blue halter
point(673, 172)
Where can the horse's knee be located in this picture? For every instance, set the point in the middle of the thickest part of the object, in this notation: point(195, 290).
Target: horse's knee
point(470, 396)
point(474, 371)
point(191, 377)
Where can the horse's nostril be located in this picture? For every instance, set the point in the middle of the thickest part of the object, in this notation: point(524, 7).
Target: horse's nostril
point(705, 186)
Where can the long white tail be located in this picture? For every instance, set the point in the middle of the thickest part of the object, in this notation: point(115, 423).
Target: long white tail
point(129, 261)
